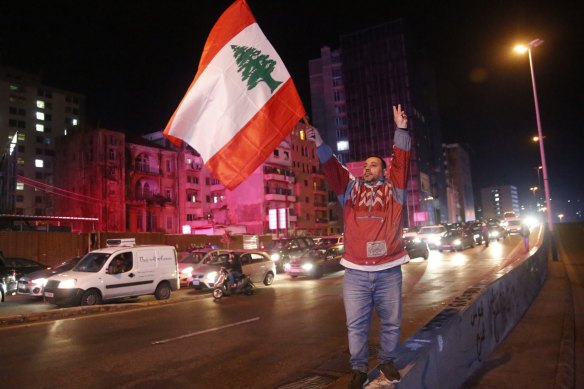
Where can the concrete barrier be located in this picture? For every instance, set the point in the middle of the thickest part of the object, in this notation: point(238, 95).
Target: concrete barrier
point(447, 350)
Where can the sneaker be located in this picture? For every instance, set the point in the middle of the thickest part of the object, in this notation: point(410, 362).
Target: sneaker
point(358, 380)
point(390, 372)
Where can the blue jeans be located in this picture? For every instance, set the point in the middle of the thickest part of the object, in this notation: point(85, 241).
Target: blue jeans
point(363, 291)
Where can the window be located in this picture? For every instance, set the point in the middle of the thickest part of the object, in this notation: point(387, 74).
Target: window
point(111, 155)
point(40, 116)
point(19, 186)
point(40, 128)
point(40, 104)
point(276, 153)
point(39, 163)
point(169, 222)
point(168, 194)
point(19, 198)
point(75, 122)
point(343, 145)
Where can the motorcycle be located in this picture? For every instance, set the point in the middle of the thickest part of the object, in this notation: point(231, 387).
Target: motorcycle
point(221, 288)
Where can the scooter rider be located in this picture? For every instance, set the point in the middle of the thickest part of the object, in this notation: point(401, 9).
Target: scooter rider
point(235, 270)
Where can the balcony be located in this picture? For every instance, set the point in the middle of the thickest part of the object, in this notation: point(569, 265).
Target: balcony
point(217, 187)
point(147, 169)
point(279, 177)
point(320, 189)
point(320, 205)
point(218, 205)
point(279, 197)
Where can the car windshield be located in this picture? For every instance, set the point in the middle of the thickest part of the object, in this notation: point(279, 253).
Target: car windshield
point(220, 259)
point(452, 233)
point(279, 244)
point(68, 264)
point(431, 230)
point(514, 222)
point(91, 263)
point(194, 257)
point(327, 241)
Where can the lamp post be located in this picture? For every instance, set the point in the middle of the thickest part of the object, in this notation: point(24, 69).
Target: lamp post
point(522, 49)
point(537, 169)
point(533, 189)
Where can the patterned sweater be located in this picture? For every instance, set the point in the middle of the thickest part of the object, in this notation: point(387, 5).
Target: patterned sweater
point(372, 211)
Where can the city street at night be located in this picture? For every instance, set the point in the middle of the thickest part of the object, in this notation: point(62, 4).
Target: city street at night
point(290, 330)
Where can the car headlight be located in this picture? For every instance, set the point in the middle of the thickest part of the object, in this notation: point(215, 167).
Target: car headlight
point(476, 236)
point(275, 257)
point(40, 281)
point(68, 284)
point(287, 266)
point(417, 240)
point(307, 266)
point(457, 242)
point(187, 270)
point(494, 233)
point(212, 276)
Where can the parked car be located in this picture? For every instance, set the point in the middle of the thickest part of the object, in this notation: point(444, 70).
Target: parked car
point(115, 272)
point(330, 240)
point(256, 264)
point(456, 240)
point(431, 235)
point(416, 247)
point(187, 263)
point(283, 250)
point(317, 262)
point(513, 226)
point(12, 268)
point(33, 283)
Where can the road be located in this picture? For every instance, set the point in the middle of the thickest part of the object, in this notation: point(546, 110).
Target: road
point(292, 329)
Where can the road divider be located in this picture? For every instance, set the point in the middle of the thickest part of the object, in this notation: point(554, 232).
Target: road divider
point(454, 344)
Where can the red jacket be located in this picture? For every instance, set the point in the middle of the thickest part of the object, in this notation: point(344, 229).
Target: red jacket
point(372, 212)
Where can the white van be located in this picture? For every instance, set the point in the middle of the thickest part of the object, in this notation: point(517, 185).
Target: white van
point(116, 272)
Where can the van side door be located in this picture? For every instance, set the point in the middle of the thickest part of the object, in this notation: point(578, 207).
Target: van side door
point(119, 280)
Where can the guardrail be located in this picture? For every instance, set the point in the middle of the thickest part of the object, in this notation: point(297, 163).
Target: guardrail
point(454, 344)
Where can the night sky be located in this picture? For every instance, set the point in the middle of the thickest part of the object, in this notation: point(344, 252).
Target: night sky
point(134, 62)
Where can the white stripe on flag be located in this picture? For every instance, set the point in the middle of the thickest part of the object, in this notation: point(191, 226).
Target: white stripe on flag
point(219, 99)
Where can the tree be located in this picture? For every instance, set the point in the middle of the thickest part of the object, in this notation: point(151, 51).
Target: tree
point(255, 67)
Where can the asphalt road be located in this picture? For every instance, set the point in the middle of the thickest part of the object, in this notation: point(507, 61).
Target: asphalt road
point(292, 329)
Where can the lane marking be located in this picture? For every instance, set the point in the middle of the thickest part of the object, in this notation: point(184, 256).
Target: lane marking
point(205, 331)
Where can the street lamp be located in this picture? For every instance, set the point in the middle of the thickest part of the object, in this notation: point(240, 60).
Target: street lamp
point(522, 49)
point(533, 189)
point(560, 216)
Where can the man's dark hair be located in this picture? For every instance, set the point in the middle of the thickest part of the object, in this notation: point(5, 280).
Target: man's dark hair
point(383, 164)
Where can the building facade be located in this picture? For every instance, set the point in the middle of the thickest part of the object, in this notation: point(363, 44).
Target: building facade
point(496, 200)
point(34, 114)
point(353, 90)
point(459, 179)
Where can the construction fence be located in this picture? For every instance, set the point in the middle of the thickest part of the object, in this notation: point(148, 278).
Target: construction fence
point(52, 248)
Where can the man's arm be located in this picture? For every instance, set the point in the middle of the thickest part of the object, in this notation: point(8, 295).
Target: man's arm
point(401, 155)
point(337, 175)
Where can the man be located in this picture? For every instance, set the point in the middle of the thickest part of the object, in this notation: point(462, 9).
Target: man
point(374, 251)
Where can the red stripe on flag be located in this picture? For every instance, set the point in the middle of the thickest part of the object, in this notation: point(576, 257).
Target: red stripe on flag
point(256, 141)
point(235, 18)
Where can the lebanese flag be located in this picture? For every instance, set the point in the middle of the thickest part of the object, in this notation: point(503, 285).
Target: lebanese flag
point(242, 102)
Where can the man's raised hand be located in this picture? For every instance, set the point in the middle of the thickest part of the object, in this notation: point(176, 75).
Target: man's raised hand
point(399, 117)
point(313, 135)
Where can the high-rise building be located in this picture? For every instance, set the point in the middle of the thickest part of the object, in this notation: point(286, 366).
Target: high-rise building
point(353, 90)
point(37, 114)
point(458, 175)
point(497, 200)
